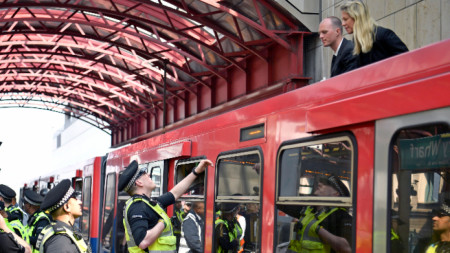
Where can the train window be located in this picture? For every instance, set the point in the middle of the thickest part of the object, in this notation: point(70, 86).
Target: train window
point(184, 168)
point(238, 194)
point(155, 174)
point(420, 186)
point(108, 211)
point(86, 218)
point(314, 189)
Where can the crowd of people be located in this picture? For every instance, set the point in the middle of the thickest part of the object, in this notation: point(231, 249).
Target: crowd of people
point(47, 222)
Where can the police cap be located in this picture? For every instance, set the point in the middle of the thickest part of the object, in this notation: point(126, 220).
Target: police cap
point(337, 184)
point(129, 176)
point(58, 196)
point(228, 207)
point(32, 197)
point(6, 192)
point(443, 210)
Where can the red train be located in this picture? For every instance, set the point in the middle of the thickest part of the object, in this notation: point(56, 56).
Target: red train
point(383, 130)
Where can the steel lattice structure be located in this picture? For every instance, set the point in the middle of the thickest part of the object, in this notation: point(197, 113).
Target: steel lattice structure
point(107, 62)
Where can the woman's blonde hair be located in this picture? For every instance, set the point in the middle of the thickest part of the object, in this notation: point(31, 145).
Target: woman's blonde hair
point(363, 28)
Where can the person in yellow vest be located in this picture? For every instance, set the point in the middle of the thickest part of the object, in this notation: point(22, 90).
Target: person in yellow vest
point(9, 241)
point(147, 226)
point(441, 228)
point(38, 219)
point(63, 205)
point(324, 229)
point(15, 214)
point(227, 230)
point(177, 220)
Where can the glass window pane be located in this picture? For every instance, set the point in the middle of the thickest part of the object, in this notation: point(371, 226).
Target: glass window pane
point(86, 218)
point(420, 184)
point(239, 174)
point(197, 188)
point(156, 177)
point(303, 166)
point(238, 196)
point(108, 215)
point(314, 189)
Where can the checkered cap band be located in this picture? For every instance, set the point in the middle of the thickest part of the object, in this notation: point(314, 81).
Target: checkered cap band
point(66, 197)
point(133, 179)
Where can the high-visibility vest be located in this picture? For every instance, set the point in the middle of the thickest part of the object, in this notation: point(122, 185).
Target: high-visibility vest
point(179, 214)
point(432, 248)
point(32, 226)
point(17, 226)
point(232, 235)
point(54, 229)
point(15, 209)
point(307, 239)
point(166, 242)
point(7, 224)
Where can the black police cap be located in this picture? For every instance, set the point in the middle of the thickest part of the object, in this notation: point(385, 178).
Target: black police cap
point(32, 197)
point(228, 207)
point(58, 196)
point(443, 210)
point(6, 192)
point(128, 177)
point(337, 184)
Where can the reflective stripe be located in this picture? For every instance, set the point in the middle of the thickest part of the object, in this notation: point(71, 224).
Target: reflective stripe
point(18, 226)
point(235, 234)
point(165, 243)
point(49, 231)
point(307, 239)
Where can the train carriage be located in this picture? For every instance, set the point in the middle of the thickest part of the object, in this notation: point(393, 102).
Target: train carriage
point(382, 130)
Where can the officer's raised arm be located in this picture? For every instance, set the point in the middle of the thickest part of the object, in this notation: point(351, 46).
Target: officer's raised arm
point(182, 186)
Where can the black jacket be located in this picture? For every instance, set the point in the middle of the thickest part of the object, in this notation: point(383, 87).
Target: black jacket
point(345, 60)
point(386, 44)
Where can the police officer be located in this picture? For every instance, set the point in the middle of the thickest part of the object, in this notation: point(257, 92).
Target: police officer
point(9, 241)
point(227, 229)
point(147, 226)
point(38, 219)
point(441, 228)
point(324, 229)
point(177, 221)
point(15, 214)
point(64, 207)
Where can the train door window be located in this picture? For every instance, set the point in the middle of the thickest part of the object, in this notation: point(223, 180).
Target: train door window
point(420, 187)
point(155, 171)
point(314, 193)
point(108, 212)
point(86, 218)
point(238, 194)
point(194, 198)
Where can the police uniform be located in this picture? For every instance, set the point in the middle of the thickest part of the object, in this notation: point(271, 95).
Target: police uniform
point(142, 213)
point(38, 220)
point(440, 246)
point(227, 233)
point(15, 214)
point(60, 236)
point(7, 241)
point(336, 220)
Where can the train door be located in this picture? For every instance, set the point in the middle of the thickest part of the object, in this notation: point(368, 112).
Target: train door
point(113, 232)
point(194, 199)
point(238, 193)
point(315, 184)
point(412, 180)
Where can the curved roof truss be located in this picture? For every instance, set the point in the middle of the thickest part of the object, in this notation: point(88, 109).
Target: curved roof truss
point(108, 62)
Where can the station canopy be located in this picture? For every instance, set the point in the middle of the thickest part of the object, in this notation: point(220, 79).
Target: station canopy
point(107, 61)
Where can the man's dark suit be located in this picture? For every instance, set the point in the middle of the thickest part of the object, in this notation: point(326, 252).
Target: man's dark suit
point(345, 60)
